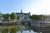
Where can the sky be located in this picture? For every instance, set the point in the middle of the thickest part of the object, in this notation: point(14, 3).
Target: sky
point(39, 7)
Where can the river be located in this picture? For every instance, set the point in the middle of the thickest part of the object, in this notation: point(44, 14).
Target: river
point(22, 29)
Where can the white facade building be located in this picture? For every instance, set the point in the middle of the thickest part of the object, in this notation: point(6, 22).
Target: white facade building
point(24, 17)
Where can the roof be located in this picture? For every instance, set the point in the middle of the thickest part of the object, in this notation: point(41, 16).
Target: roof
point(23, 13)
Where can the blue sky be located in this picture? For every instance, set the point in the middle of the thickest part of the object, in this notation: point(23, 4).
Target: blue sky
point(33, 6)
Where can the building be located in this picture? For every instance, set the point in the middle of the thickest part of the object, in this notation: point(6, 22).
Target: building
point(24, 18)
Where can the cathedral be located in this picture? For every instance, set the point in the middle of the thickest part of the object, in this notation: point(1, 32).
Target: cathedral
point(21, 14)
point(24, 17)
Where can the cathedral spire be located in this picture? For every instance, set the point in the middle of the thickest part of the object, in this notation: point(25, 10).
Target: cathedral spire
point(21, 11)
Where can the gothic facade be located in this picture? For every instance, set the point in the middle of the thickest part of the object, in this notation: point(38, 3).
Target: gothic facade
point(24, 17)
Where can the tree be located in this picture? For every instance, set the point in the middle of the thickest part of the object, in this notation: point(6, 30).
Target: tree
point(18, 17)
point(13, 16)
point(37, 17)
point(6, 16)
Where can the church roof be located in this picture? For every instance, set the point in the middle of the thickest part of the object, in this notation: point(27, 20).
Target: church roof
point(23, 13)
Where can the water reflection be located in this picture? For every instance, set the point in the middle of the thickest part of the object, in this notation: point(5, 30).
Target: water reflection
point(42, 29)
point(9, 29)
point(17, 29)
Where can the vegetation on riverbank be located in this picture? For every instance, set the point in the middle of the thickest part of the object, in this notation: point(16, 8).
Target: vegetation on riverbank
point(11, 16)
point(11, 29)
point(38, 17)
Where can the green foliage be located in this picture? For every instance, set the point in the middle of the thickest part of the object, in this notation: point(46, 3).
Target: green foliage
point(6, 16)
point(14, 29)
point(18, 17)
point(37, 17)
point(13, 16)
point(5, 30)
point(0, 14)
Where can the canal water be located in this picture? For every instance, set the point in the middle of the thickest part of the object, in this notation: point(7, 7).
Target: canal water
point(22, 29)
